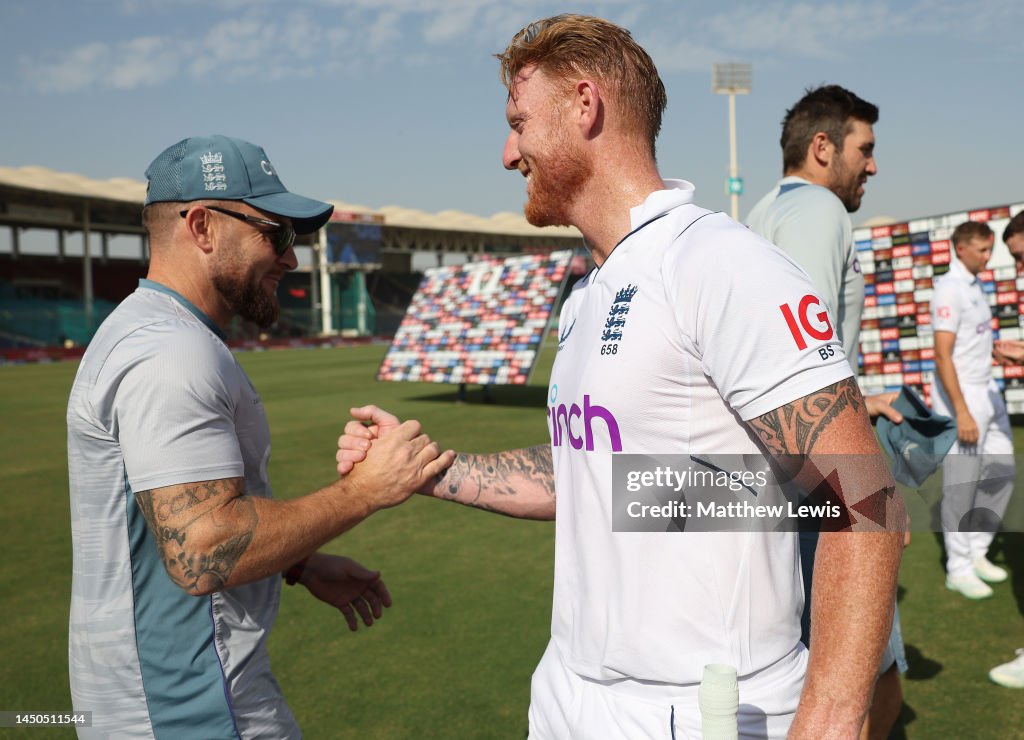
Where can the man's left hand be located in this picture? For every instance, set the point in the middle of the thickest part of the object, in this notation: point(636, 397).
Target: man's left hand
point(347, 585)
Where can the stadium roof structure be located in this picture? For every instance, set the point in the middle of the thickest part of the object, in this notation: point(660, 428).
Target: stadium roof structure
point(69, 183)
point(65, 202)
point(66, 185)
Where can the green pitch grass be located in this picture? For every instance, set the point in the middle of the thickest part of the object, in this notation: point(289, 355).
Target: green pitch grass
point(472, 590)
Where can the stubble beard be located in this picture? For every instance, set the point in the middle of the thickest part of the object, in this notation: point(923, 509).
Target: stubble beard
point(846, 185)
point(555, 182)
point(247, 297)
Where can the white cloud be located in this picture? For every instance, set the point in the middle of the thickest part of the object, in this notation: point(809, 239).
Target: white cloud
point(278, 40)
point(76, 69)
point(299, 38)
point(680, 55)
point(140, 7)
point(820, 30)
point(240, 40)
point(812, 30)
point(383, 31)
point(448, 26)
point(141, 62)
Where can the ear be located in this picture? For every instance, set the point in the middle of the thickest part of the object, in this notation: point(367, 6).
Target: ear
point(821, 149)
point(588, 108)
point(199, 225)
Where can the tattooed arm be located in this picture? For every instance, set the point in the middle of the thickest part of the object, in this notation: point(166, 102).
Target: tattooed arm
point(211, 535)
point(826, 438)
point(519, 483)
point(178, 517)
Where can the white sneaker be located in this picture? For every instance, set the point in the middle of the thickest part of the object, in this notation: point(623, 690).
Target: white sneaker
point(989, 571)
point(1010, 675)
point(969, 585)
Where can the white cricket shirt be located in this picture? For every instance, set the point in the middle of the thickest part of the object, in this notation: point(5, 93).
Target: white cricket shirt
point(959, 305)
point(705, 344)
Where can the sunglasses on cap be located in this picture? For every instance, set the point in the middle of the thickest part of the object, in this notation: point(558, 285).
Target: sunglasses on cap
point(281, 237)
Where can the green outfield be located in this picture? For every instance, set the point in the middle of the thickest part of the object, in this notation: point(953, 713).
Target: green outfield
point(472, 591)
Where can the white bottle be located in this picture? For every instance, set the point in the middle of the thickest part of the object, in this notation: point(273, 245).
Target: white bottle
point(719, 699)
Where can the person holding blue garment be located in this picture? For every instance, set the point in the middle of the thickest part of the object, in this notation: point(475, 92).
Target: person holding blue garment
point(828, 153)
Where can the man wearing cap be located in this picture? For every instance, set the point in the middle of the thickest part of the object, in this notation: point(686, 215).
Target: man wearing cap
point(978, 474)
point(178, 546)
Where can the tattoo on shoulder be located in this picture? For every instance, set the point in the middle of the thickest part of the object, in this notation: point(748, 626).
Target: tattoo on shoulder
point(171, 516)
point(795, 427)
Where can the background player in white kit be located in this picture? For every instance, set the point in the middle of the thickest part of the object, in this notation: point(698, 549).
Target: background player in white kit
point(828, 154)
point(978, 474)
point(677, 343)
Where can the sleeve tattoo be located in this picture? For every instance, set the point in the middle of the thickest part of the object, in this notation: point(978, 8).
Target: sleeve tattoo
point(863, 488)
point(482, 480)
point(794, 428)
point(173, 516)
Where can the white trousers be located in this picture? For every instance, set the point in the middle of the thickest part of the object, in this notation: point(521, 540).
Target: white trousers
point(564, 705)
point(977, 480)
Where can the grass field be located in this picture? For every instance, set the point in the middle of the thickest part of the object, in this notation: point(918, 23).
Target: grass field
point(453, 657)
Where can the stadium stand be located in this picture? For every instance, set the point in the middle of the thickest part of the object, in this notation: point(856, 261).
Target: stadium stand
point(478, 323)
point(331, 293)
point(900, 261)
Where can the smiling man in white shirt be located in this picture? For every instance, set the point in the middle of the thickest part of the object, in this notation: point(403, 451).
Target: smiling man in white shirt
point(692, 335)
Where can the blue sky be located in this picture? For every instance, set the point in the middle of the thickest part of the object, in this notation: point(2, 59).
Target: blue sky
point(398, 102)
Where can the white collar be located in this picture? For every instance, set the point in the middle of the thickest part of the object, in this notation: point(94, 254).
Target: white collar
point(962, 272)
point(676, 193)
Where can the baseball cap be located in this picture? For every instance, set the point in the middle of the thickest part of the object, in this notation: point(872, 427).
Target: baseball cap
point(918, 445)
point(223, 168)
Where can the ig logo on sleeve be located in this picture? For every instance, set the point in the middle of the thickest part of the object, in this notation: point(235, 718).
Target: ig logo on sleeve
point(810, 320)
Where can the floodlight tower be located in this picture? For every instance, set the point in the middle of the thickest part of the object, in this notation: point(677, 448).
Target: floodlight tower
point(732, 79)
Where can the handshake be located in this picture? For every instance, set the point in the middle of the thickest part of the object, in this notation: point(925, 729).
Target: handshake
point(1008, 352)
point(384, 461)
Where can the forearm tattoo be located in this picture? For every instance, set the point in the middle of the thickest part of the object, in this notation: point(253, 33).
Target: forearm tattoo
point(173, 519)
point(480, 480)
point(794, 428)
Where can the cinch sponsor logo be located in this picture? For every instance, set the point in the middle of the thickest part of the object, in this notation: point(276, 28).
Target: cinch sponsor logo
point(821, 331)
point(576, 424)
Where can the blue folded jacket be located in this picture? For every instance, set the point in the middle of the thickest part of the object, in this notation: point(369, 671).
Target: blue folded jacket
point(918, 445)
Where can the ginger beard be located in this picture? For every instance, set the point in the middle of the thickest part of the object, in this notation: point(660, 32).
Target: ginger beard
point(556, 178)
point(242, 289)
